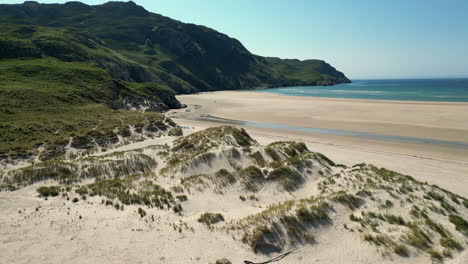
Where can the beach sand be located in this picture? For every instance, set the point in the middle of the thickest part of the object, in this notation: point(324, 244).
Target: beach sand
point(56, 230)
point(441, 164)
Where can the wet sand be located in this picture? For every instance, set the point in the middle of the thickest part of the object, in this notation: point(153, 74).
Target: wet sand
point(442, 164)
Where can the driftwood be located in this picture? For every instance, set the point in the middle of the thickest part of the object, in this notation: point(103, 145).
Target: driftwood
point(278, 258)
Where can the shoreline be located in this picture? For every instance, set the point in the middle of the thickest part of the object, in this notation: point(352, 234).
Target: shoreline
point(255, 91)
point(402, 139)
point(446, 166)
point(431, 120)
point(425, 168)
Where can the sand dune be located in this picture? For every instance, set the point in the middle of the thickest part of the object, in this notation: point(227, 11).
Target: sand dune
point(330, 213)
point(272, 197)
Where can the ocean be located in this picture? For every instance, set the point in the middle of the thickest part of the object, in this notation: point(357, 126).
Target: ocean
point(438, 90)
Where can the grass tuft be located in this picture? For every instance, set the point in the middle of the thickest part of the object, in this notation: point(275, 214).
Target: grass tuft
point(210, 218)
point(46, 191)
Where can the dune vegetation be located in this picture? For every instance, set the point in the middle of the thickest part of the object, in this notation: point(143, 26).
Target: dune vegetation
point(395, 213)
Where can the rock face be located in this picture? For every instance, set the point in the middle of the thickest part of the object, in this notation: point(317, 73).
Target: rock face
point(140, 46)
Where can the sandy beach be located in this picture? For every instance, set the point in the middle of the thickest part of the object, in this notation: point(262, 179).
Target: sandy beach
point(86, 229)
point(442, 164)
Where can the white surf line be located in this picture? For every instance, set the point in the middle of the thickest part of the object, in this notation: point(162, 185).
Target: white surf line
point(332, 144)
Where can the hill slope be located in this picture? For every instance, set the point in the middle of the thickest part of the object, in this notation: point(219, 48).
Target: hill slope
point(46, 103)
point(71, 70)
point(139, 46)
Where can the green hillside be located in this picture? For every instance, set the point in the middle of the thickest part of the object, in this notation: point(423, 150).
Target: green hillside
point(75, 73)
point(44, 102)
point(139, 46)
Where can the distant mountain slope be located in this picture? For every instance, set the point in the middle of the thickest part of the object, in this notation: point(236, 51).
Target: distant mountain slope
point(70, 74)
point(139, 46)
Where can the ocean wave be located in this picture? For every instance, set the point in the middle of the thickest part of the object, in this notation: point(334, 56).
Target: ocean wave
point(342, 91)
point(403, 90)
point(447, 96)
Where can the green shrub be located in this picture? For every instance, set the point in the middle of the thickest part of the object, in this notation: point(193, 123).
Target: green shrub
point(296, 148)
point(223, 261)
point(148, 193)
point(7, 187)
point(177, 208)
point(312, 214)
point(417, 213)
point(288, 178)
point(460, 224)
point(241, 136)
point(436, 196)
point(354, 218)
point(235, 153)
point(250, 176)
point(82, 190)
point(258, 235)
point(417, 238)
point(364, 193)
point(435, 255)
point(258, 158)
point(351, 201)
point(378, 240)
point(182, 198)
point(210, 218)
point(272, 153)
point(454, 199)
point(448, 242)
point(401, 250)
point(437, 227)
point(375, 215)
point(447, 253)
point(448, 207)
point(388, 204)
point(325, 158)
point(141, 212)
point(300, 162)
point(465, 203)
point(224, 177)
point(393, 219)
point(46, 191)
point(175, 131)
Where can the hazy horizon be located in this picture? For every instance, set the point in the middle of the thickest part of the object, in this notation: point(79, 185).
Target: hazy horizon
point(372, 40)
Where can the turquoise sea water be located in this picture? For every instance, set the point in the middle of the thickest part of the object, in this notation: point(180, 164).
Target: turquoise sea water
point(440, 90)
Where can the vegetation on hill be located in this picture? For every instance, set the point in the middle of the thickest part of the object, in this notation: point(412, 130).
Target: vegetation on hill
point(70, 73)
point(46, 102)
point(139, 46)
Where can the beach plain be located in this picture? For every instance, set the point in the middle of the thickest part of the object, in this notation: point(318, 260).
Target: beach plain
point(442, 164)
point(88, 229)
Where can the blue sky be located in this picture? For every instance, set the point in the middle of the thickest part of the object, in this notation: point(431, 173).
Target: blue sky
point(362, 38)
